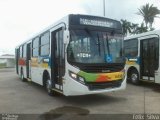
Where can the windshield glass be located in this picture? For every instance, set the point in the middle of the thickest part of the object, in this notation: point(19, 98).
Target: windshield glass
point(95, 47)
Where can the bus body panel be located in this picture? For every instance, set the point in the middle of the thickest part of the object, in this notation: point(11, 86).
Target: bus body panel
point(36, 75)
point(38, 66)
point(157, 77)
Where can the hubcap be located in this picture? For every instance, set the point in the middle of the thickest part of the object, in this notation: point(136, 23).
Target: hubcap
point(134, 77)
point(48, 85)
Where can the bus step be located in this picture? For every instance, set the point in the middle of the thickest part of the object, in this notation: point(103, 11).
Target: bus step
point(59, 91)
point(29, 80)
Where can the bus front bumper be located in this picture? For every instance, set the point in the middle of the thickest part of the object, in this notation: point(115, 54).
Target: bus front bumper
point(73, 88)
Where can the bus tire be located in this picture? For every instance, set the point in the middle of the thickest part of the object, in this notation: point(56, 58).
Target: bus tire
point(134, 77)
point(49, 87)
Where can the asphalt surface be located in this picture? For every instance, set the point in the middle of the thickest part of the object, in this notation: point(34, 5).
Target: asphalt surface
point(17, 97)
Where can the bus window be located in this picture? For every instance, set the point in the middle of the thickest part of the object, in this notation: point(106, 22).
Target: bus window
point(24, 51)
point(35, 49)
point(44, 44)
point(131, 48)
point(21, 52)
point(94, 47)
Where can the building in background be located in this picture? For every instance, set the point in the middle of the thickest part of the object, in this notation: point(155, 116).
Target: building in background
point(7, 60)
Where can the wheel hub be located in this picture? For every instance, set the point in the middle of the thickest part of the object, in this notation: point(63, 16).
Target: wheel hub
point(48, 85)
point(134, 77)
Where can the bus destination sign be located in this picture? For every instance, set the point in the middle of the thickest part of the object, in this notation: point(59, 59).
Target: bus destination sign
point(92, 22)
point(86, 20)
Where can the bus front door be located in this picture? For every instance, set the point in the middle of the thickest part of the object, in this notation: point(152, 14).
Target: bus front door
point(28, 59)
point(57, 58)
point(17, 58)
point(149, 55)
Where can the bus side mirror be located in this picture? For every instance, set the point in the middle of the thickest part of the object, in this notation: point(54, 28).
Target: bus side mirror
point(66, 36)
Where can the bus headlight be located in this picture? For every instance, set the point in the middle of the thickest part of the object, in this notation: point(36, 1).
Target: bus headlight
point(76, 77)
point(73, 75)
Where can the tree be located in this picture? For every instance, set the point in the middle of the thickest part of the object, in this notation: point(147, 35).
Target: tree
point(134, 28)
point(126, 26)
point(149, 13)
point(141, 29)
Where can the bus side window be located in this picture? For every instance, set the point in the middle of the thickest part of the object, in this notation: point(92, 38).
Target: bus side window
point(35, 47)
point(131, 48)
point(21, 51)
point(24, 50)
point(45, 44)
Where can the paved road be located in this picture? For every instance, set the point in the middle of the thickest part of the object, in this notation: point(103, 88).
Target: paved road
point(25, 97)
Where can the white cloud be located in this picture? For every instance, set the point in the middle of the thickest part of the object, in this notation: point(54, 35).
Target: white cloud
point(20, 19)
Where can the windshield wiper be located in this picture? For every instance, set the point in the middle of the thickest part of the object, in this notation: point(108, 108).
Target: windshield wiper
point(107, 44)
point(99, 49)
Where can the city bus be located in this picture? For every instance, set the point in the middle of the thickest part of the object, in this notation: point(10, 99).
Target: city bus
point(142, 54)
point(78, 55)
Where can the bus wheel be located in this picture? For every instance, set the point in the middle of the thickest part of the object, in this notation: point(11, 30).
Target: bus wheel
point(49, 87)
point(134, 77)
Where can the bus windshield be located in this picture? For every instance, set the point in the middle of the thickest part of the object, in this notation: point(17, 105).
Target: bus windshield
point(87, 46)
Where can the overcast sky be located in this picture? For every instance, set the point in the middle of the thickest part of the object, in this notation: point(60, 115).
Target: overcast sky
point(20, 19)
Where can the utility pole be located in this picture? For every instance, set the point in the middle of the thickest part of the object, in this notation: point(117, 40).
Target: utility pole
point(104, 9)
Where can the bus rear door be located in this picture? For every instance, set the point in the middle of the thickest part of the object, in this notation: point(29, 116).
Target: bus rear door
point(149, 57)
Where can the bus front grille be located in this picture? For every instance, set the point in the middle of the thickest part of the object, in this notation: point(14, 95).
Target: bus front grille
point(102, 69)
point(104, 85)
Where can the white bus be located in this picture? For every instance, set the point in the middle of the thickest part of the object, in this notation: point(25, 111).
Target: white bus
point(142, 53)
point(78, 55)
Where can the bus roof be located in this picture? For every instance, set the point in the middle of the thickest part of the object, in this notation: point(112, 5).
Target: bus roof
point(143, 34)
point(65, 20)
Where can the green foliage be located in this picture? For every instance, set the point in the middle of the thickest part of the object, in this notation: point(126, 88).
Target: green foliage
point(132, 28)
point(126, 26)
point(141, 29)
point(149, 13)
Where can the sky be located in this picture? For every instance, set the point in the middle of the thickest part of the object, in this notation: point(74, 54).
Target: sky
point(20, 19)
